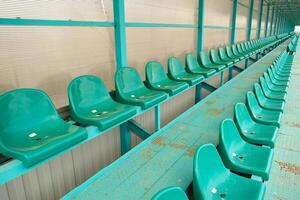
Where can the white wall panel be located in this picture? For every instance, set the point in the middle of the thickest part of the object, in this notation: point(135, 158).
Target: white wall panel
point(217, 12)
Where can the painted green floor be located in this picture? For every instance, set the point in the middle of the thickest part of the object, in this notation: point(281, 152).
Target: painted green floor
point(284, 183)
point(155, 163)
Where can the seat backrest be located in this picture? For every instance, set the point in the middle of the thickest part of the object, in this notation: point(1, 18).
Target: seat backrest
point(23, 109)
point(127, 79)
point(85, 92)
point(229, 137)
point(191, 62)
point(175, 193)
point(263, 85)
point(214, 55)
point(229, 51)
point(203, 58)
point(258, 91)
point(155, 72)
point(242, 117)
point(222, 53)
point(175, 66)
point(234, 49)
point(252, 102)
point(208, 168)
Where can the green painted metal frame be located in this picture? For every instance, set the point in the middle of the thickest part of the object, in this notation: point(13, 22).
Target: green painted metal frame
point(261, 3)
point(138, 130)
point(233, 21)
point(272, 21)
point(250, 16)
point(42, 22)
point(267, 19)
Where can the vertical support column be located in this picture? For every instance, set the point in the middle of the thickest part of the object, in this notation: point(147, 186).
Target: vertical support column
point(233, 21)
point(249, 29)
point(267, 19)
point(261, 3)
point(250, 15)
point(157, 117)
point(120, 33)
point(272, 21)
point(275, 22)
point(200, 42)
point(121, 59)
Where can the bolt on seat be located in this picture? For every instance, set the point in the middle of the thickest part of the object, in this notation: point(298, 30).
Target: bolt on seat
point(269, 104)
point(269, 93)
point(268, 117)
point(204, 60)
point(214, 57)
point(272, 86)
point(31, 130)
point(91, 104)
point(212, 180)
point(194, 67)
point(131, 90)
point(240, 156)
point(157, 79)
point(252, 131)
point(177, 72)
point(170, 193)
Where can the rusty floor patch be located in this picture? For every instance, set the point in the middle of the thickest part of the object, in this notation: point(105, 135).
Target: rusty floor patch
point(289, 167)
point(214, 112)
point(159, 141)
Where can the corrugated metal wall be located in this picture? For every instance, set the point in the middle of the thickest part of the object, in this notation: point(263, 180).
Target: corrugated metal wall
point(49, 57)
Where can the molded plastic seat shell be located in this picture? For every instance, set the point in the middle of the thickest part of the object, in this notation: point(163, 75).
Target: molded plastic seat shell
point(212, 180)
point(269, 93)
point(157, 79)
point(204, 60)
point(274, 87)
point(214, 57)
point(31, 130)
point(230, 54)
point(131, 90)
point(177, 72)
point(261, 115)
point(223, 56)
point(278, 78)
point(251, 131)
point(91, 104)
point(270, 104)
point(194, 67)
point(170, 193)
point(240, 156)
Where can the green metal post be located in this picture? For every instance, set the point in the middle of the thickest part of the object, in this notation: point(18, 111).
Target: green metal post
point(157, 117)
point(233, 21)
point(120, 33)
point(249, 30)
point(275, 23)
point(261, 3)
point(121, 59)
point(272, 21)
point(200, 24)
point(267, 19)
point(200, 42)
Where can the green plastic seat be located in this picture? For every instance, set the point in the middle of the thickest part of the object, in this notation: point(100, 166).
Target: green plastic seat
point(269, 117)
point(194, 67)
point(31, 130)
point(213, 181)
point(272, 86)
point(278, 78)
point(275, 82)
point(240, 156)
point(157, 79)
point(170, 193)
point(131, 90)
point(240, 50)
point(236, 53)
point(214, 57)
point(269, 93)
point(278, 72)
point(223, 56)
point(252, 131)
point(230, 54)
point(269, 104)
point(91, 104)
point(177, 72)
point(204, 60)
